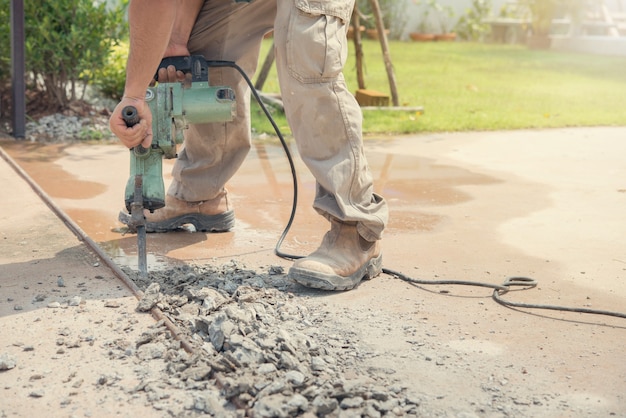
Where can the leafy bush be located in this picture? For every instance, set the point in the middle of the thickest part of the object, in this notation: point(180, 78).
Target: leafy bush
point(110, 78)
point(393, 14)
point(66, 40)
point(472, 26)
point(5, 39)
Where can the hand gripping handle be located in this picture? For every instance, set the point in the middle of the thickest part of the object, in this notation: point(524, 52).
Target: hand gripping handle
point(195, 65)
point(131, 117)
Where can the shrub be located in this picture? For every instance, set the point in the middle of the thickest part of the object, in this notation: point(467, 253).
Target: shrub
point(110, 78)
point(393, 14)
point(5, 39)
point(472, 26)
point(65, 41)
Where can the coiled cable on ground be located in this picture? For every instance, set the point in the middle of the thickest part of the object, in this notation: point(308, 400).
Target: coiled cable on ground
point(499, 290)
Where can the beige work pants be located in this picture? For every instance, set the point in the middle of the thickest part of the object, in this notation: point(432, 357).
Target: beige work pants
point(311, 49)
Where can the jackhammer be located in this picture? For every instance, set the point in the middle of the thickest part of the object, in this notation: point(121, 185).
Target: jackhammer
point(173, 106)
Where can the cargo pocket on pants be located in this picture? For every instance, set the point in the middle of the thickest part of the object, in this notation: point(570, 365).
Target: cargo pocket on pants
point(316, 44)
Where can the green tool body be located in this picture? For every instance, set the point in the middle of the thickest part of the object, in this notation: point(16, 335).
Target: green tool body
point(173, 106)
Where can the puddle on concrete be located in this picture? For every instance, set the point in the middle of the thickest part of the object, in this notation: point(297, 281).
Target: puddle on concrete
point(40, 162)
point(128, 257)
point(87, 182)
point(415, 187)
point(413, 180)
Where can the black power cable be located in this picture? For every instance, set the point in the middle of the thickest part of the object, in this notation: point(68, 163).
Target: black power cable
point(498, 290)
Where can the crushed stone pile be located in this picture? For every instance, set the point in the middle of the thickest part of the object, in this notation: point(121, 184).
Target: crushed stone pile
point(58, 127)
point(257, 351)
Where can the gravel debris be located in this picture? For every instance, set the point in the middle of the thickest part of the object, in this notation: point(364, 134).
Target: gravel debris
point(75, 301)
point(112, 304)
point(258, 350)
point(63, 128)
point(7, 361)
point(37, 394)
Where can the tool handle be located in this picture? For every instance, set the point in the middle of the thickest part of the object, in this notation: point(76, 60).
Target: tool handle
point(195, 65)
point(131, 117)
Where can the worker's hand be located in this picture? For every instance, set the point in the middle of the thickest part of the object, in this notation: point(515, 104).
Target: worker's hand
point(141, 133)
point(170, 75)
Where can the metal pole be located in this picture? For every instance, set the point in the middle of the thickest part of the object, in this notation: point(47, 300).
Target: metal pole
point(18, 69)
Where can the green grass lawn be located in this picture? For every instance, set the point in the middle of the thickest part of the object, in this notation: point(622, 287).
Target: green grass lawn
point(473, 87)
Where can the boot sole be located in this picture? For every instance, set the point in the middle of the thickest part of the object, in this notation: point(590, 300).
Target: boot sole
point(317, 280)
point(203, 223)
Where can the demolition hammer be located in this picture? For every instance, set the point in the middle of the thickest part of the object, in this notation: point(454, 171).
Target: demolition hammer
point(173, 106)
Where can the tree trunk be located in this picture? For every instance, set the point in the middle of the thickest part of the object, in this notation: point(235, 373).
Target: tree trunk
point(358, 47)
point(382, 36)
point(265, 69)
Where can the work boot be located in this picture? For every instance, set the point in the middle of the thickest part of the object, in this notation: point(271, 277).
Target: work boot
point(215, 215)
point(342, 260)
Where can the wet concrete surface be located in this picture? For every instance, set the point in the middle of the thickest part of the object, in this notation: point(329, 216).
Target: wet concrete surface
point(479, 206)
point(530, 194)
point(87, 181)
point(516, 191)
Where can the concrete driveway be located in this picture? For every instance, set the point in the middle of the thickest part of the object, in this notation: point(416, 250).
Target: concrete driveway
point(482, 207)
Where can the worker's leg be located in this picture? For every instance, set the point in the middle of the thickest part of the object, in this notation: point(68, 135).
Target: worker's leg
point(212, 152)
point(311, 50)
